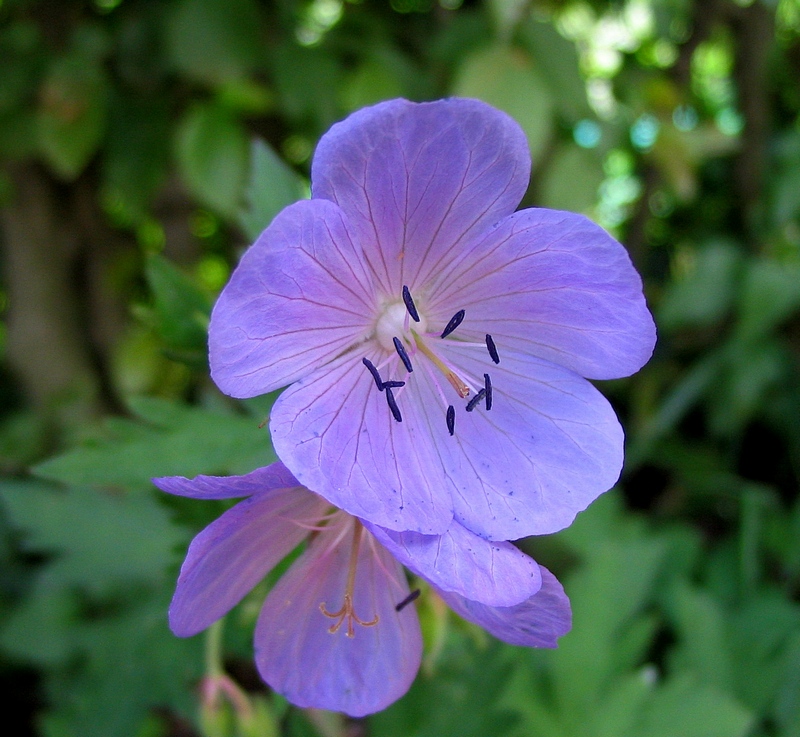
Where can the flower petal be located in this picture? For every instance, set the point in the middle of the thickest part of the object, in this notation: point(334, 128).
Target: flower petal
point(555, 285)
point(274, 476)
point(418, 180)
point(236, 551)
point(494, 573)
point(549, 446)
point(335, 430)
point(297, 299)
point(536, 622)
point(298, 655)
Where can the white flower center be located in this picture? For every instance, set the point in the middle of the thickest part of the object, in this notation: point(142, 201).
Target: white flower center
point(395, 322)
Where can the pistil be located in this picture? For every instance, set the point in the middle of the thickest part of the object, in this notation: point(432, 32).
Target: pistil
point(455, 381)
point(347, 611)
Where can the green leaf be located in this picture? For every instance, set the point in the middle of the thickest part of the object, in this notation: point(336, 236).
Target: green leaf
point(181, 307)
point(134, 665)
point(212, 156)
point(137, 154)
point(180, 441)
point(557, 58)
point(506, 14)
point(272, 186)
point(769, 295)
point(39, 629)
point(460, 700)
point(572, 179)
point(72, 113)
point(307, 81)
point(215, 40)
point(688, 708)
point(703, 640)
point(508, 79)
point(98, 538)
point(748, 379)
point(375, 80)
point(703, 295)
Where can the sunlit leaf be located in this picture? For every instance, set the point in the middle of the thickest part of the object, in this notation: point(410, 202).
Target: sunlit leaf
point(508, 79)
point(212, 156)
point(272, 185)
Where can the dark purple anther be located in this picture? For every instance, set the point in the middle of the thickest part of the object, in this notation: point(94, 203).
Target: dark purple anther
point(474, 401)
point(393, 405)
point(487, 385)
point(410, 306)
point(492, 348)
point(401, 351)
point(411, 597)
point(392, 384)
point(451, 419)
point(375, 374)
point(455, 321)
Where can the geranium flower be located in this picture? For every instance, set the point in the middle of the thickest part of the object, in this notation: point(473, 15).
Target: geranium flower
point(339, 630)
point(435, 341)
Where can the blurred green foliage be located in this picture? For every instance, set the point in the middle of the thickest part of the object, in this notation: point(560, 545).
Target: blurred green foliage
point(144, 143)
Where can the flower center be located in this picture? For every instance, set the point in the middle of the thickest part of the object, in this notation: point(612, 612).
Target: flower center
point(406, 340)
point(395, 323)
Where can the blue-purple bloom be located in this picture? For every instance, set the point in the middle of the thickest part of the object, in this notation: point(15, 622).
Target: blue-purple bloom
point(437, 344)
point(339, 630)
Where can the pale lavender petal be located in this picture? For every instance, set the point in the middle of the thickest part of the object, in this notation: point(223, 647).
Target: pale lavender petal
point(537, 622)
point(549, 446)
point(300, 658)
point(298, 298)
point(555, 285)
point(274, 476)
point(236, 551)
point(335, 431)
point(494, 573)
point(417, 181)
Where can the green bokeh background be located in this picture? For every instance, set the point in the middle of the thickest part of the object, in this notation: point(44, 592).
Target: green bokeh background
point(144, 143)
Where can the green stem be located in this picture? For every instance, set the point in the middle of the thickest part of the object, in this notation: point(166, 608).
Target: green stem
point(213, 649)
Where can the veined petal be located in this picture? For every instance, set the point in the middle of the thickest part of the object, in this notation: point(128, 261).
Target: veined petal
point(274, 476)
point(494, 573)
point(335, 431)
point(236, 551)
point(297, 299)
point(554, 285)
point(536, 622)
point(298, 655)
point(418, 180)
point(549, 446)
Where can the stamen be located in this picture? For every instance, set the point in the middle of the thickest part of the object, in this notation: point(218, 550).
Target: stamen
point(474, 401)
point(451, 419)
point(393, 405)
point(410, 306)
point(347, 611)
point(401, 351)
point(411, 597)
point(488, 389)
point(492, 348)
point(375, 373)
point(392, 384)
point(455, 381)
point(455, 321)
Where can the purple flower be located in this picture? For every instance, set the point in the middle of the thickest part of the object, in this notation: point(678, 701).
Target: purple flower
point(435, 340)
point(339, 630)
